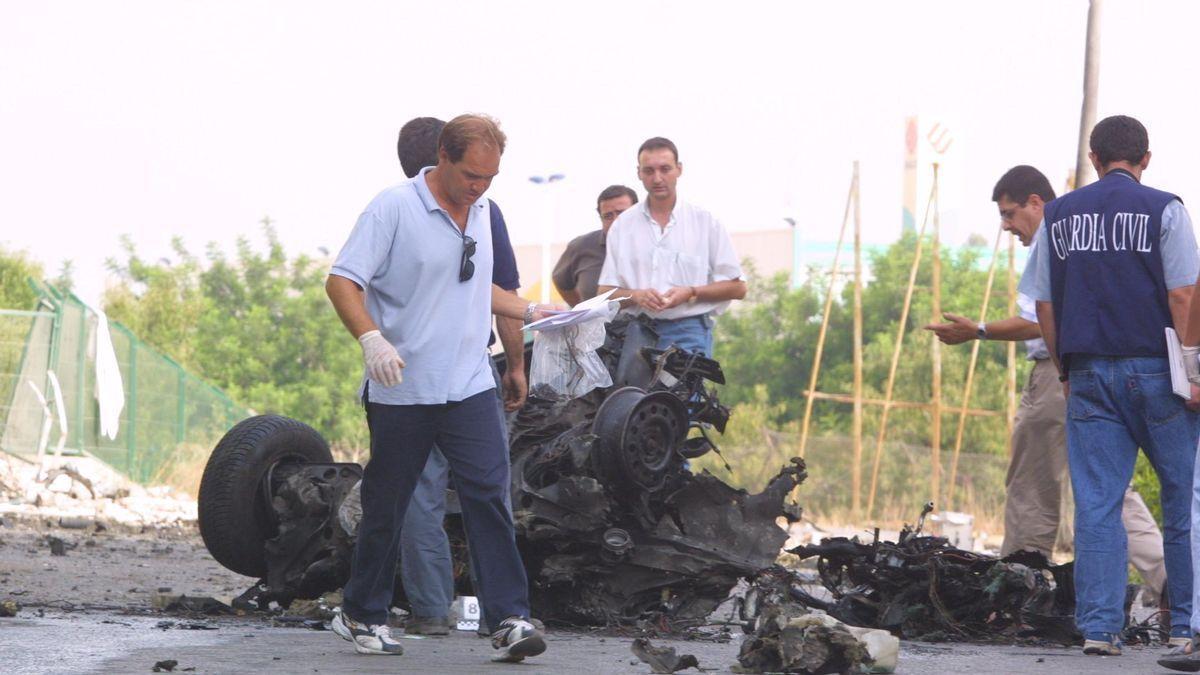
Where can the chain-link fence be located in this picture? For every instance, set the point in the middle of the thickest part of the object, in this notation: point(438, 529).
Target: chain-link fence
point(167, 412)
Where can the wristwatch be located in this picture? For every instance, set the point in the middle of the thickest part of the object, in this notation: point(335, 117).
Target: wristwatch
point(981, 331)
point(529, 312)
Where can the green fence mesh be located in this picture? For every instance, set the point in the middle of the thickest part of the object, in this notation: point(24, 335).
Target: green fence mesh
point(169, 414)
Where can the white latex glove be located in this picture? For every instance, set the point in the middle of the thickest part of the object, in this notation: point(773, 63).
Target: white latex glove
point(1191, 363)
point(383, 363)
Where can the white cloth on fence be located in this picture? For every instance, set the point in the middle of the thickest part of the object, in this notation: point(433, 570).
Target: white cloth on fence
point(110, 390)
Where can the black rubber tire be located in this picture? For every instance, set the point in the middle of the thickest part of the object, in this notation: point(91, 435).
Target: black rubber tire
point(233, 515)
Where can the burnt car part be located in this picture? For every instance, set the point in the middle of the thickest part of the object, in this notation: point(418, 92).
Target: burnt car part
point(611, 524)
point(922, 588)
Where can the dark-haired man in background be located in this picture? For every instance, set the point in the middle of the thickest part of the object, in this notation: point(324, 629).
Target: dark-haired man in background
point(1114, 265)
point(578, 270)
point(673, 260)
point(1034, 484)
point(426, 568)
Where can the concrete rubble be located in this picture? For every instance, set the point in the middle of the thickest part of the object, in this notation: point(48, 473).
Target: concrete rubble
point(80, 492)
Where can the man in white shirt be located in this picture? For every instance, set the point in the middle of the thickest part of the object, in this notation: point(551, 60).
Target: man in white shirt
point(673, 260)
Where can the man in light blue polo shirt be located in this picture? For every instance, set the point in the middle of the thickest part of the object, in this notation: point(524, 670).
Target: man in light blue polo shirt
point(413, 284)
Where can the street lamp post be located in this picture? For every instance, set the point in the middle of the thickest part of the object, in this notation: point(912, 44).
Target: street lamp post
point(797, 251)
point(547, 231)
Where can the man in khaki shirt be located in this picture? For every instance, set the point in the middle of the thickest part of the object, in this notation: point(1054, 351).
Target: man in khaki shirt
point(578, 269)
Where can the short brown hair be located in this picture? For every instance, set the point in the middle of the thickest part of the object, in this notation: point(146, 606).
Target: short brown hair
point(614, 191)
point(658, 143)
point(464, 130)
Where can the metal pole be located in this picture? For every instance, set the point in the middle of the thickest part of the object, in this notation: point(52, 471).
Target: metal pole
point(1084, 173)
point(797, 254)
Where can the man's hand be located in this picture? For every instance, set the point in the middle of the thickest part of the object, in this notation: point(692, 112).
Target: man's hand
point(959, 329)
point(677, 295)
point(382, 361)
point(648, 298)
point(1193, 403)
point(541, 311)
point(515, 388)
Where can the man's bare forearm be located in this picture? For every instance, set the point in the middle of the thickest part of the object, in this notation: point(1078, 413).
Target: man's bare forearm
point(570, 295)
point(719, 291)
point(511, 337)
point(621, 292)
point(349, 301)
point(1012, 329)
point(508, 304)
point(1185, 314)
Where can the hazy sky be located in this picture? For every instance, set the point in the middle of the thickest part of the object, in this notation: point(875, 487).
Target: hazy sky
point(196, 119)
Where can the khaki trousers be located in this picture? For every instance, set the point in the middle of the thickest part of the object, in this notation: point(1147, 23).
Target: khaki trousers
point(1037, 476)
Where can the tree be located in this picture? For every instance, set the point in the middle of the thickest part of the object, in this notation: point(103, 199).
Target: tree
point(16, 268)
point(258, 326)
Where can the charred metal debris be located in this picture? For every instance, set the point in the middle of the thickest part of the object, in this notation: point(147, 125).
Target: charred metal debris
point(612, 526)
point(922, 588)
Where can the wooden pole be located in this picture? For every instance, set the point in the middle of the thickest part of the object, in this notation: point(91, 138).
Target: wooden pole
point(1012, 346)
point(935, 427)
point(856, 426)
point(816, 367)
point(1084, 173)
point(891, 381)
point(908, 405)
point(966, 395)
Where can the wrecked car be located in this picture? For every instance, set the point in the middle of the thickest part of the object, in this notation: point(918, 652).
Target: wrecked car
point(612, 525)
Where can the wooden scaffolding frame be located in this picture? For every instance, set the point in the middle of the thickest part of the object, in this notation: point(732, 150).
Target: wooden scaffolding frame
point(935, 405)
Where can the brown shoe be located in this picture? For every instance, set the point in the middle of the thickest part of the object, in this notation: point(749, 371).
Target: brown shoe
point(427, 625)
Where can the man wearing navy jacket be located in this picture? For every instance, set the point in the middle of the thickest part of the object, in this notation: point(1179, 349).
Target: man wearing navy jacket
point(1115, 265)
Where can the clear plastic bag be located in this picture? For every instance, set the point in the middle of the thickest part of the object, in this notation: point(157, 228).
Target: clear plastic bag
point(565, 364)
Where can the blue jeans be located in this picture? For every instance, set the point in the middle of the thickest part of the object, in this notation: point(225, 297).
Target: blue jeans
point(469, 433)
point(693, 333)
point(1116, 406)
point(426, 567)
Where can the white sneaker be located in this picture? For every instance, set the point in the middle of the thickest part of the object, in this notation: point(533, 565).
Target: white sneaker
point(367, 639)
point(517, 638)
point(1101, 648)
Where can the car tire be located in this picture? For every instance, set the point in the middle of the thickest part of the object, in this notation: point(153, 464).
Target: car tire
point(234, 516)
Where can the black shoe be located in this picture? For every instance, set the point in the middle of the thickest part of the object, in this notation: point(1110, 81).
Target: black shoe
point(517, 638)
point(1184, 657)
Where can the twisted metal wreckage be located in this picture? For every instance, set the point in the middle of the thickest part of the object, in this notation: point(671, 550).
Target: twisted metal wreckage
point(615, 530)
point(612, 526)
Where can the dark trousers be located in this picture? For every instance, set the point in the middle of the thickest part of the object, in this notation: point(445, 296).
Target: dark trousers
point(470, 436)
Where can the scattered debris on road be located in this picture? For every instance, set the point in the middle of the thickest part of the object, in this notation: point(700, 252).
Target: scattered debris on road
point(922, 588)
point(662, 659)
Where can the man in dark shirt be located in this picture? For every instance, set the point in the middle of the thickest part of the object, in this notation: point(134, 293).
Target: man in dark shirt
point(578, 269)
point(425, 563)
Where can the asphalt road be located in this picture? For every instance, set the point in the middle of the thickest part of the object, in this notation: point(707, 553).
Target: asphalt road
point(90, 610)
point(91, 642)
